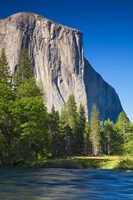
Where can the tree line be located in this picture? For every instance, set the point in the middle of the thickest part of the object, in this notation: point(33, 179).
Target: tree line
point(28, 132)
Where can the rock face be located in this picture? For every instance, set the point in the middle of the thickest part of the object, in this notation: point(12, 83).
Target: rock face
point(101, 93)
point(58, 59)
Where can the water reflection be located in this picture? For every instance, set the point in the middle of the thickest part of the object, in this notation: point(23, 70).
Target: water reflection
point(64, 184)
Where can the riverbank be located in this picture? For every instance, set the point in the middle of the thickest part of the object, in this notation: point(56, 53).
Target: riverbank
point(103, 162)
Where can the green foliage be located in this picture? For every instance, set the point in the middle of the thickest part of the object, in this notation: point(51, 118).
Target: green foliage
point(103, 162)
point(122, 124)
point(109, 132)
point(67, 132)
point(29, 134)
point(31, 121)
point(81, 122)
point(54, 133)
point(70, 118)
point(71, 112)
point(28, 89)
point(128, 146)
point(111, 140)
point(73, 121)
point(7, 96)
point(24, 69)
point(95, 131)
point(31, 124)
point(87, 141)
point(124, 130)
point(6, 124)
point(23, 117)
point(125, 163)
point(4, 69)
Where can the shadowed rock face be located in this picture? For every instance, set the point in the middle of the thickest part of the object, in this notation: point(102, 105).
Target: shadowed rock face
point(59, 65)
point(101, 93)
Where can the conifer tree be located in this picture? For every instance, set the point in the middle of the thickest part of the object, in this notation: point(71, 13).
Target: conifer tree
point(71, 110)
point(72, 120)
point(87, 141)
point(31, 128)
point(81, 121)
point(95, 131)
point(6, 98)
point(66, 131)
point(54, 133)
point(122, 125)
point(25, 69)
point(128, 146)
point(109, 134)
point(124, 129)
point(4, 68)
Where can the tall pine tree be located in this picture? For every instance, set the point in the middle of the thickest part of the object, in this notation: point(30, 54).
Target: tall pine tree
point(95, 131)
point(72, 120)
point(122, 124)
point(25, 69)
point(6, 99)
point(4, 68)
point(54, 133)
point(79, 143)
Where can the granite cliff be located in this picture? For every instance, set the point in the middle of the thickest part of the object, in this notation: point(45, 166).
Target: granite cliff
point(58, 58)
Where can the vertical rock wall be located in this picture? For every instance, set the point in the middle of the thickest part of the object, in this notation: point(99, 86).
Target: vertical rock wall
point(57, 55)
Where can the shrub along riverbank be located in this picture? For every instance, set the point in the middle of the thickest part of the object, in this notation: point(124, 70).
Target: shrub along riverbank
point(105, 162)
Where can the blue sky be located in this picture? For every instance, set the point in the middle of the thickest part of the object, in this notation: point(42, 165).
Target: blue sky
point(107, 27)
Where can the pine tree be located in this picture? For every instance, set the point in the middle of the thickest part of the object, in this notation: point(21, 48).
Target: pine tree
point(6, 124)
point(81, 121)
point(6, 98)
point(54, 133)
point(72, 121)
point(109, 138)
point(4, 68)
point(71, 110)
point(25, 69)
point(95, 131)
point(87, 141)
point(66, 131)
point(122, 125)
point(128, 146)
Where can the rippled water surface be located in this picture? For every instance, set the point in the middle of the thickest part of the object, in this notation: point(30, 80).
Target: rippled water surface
point(63, 184)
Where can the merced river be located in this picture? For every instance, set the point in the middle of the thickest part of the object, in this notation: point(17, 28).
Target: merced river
point(65, 184)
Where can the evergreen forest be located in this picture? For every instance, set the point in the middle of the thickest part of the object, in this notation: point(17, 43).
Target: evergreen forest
point(28, 132)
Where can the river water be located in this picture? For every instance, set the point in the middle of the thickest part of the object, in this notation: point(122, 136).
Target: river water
point(65, 184)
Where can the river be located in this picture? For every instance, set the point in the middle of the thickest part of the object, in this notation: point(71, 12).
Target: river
point(65, 184)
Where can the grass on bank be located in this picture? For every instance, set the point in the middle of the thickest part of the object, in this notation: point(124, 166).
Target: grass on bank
point(102, 162)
